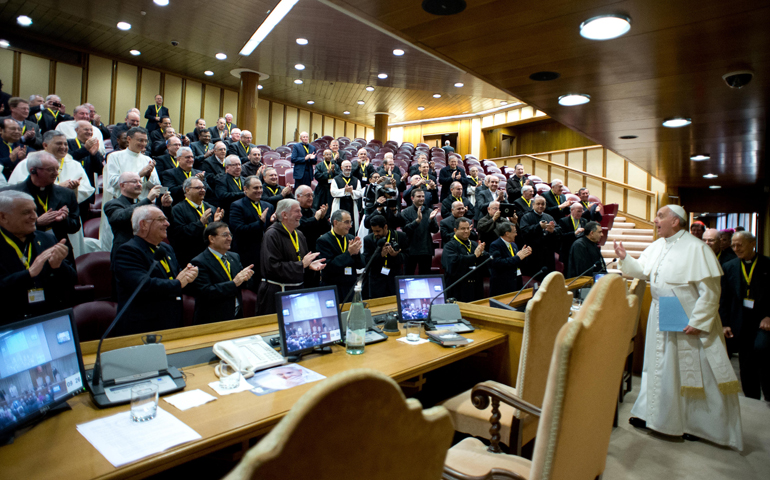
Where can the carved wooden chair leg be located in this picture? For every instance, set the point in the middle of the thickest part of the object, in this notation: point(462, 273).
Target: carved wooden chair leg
point(494, 430)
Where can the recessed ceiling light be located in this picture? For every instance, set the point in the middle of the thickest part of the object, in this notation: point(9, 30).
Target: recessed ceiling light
point(503, 103)
point(135, 52)
point(310, 102)
point(544, 76)
point(714, 187)
point(124, 26)
point(572, 99)
point(605, 27)
point(302, 41)
point(160, 3)
point(676, 122)
point(710, 175)
point(346, 112)
point(299, 81)
point(360, 102)
point(5, 43)
point(299, 66)
point(700, 157)
point(369, 88)
point(628, 137)
point(398, 52)
point(259, 87)
point(443, 7)
point(382, 76)
point(208, 73)
point(221, 56)
point(25, 21)
point(421, 108)
point(459, 84)
point(436, 95)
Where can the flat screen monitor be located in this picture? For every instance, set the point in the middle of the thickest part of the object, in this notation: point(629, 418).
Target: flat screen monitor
point(413, 295)
point(308, 319)
point(40, 368)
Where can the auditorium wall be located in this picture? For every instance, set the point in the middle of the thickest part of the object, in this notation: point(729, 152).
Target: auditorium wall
point(115, 87)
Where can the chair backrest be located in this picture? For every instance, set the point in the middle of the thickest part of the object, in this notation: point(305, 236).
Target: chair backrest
point(91, 228)
point(93, 318)
point(611, 209)
point(637, 289)
point(546, 313)
point(582, 392)
point(289, 176)
point(419, 438)
point(94, 269)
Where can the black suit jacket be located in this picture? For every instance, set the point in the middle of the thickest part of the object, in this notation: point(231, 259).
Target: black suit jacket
point(227, 192)
point(48, 121)
point(513, 187)
point(272, 195)
point(301, 165)
point(174, 179)
point(552, 203)
point(503, 276)
point(165, 162)
point(520, 207)
point(742, 320)
point(336, 262)
point(193, 136)
point(381, 285)
point(568, 237)
point(158, 305)
point(58, 284)
point(583, 254)
point(215, 292)
point(446, 207)
point(543, 243)
point(420, 234)
point(156, 144)
point(186, 231)
point(37, 142)
point(215, 137)
point(115, 133)
point(119, 211)
point(199, 153)
point(150, 115)
point(483, 198)
point(90, 163)
point(457, 261)
point(213, 168)
point(236, 148)
point(248, 229)
point(590, 214)
point(445, 180)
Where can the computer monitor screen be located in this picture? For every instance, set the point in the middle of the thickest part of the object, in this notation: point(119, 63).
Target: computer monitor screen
point(307, 319)
point(40, 367)
point(413, 295)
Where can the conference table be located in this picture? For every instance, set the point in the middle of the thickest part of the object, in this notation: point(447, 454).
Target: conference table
point(55, 449)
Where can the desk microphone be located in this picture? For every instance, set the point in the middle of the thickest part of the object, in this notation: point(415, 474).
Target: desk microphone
point(96, 375)
point(593, 267)
point(377, 251)
point(455, 284)
point(543, 270)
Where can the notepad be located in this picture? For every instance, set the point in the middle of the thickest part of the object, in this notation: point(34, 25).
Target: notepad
point(671, 315)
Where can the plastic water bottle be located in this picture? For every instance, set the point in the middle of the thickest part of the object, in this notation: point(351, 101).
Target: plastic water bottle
point(356, 333)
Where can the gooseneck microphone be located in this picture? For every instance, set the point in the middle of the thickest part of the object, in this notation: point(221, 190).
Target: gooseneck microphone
point(543, 270)
point(593, 267)
point(455, 284)
point(380, 245)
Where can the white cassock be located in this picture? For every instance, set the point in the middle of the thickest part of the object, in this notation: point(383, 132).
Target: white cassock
point(68, 129)
point(688, 384)
point(70, 170)
point(338, 193)
point(117, 163)
point(470, 191)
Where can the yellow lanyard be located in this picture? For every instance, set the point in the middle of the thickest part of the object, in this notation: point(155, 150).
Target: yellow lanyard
point(187, 174)
point(10, 148)
point(344, 239)
point(198, 210)
point(574, 226)
point(164, 262)
point(229, 127)
point(306, 150)
point(347, 181)
point(225, 266)
point(464, 245)
point(294, 241)
point(363, 168)
point(457, 199)
point(61, 167)
point(29, 251)
point(585, 205)
point(24, 129)
point(258, 208)
point(427, 179)
point(173, 160)
point(237, 181)
point(474, 181)
point(387, 241)
point(510, 249)
point(78, 142)
point(718, 255)
point(329, 169)
point(529, 202)
point(43, 204)
point(207, 147)
point(157, 110)
point(748, 277)
point(55, 115)
point(245, 147)
point(270, 189)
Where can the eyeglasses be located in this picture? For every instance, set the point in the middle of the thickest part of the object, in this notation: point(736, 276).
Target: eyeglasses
point(224, 235)
point(199, 188)
point(160, 219)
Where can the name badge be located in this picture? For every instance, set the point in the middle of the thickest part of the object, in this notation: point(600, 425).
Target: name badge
point(518, 272)
point(748, 303)
point(348, 270)
point(35, 295)
point(385, 271)
point(363, 179)
point(330, 181)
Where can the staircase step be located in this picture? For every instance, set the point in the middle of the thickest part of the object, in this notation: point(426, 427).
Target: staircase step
point(620, 219)
point(636, 246)
point(629, 238)
point(617, 224)
point(632, 231)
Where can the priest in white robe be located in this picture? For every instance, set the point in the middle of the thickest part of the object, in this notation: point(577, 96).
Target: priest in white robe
point(69, 128)
point(347, 191)
point(131, 159)
point(689, 387)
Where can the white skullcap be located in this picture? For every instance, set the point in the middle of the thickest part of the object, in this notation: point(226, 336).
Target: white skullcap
point(678, 210)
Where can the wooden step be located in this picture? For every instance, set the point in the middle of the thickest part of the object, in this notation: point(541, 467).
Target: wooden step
point(629, 238)
point(636, 246)
point(608, 254)
point(632, 231)
point(617, 224)
point(620, 219)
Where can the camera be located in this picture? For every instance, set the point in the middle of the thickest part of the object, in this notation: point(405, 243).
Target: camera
point(738, 79)
point(174, 43)
point(56, 104)
point(394, 245)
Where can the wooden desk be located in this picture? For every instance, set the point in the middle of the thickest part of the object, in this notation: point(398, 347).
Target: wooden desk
point(55, 449)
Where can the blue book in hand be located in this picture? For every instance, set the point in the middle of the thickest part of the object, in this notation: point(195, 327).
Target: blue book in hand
point(671, 315)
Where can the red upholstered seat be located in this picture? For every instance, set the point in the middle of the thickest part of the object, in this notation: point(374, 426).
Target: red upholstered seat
point(436, 263)
point(93, 318)
point(94, 269)
point(188, 310)
point(91, 228)
point(289, 177)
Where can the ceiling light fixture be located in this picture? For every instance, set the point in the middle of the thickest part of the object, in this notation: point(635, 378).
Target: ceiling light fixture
point(25, 21)
point(259, 87)
point(275, 17)
point(443, 7)
point(160, 3)
point(503, 103)
point(459, 84)
point(135, 52)
point(221, 56)
point(572, 99)
point(124, 26)
point(398, 52)
point(310, 102)
point(208, 73)
point(605, 27)
point(360, 102)
point(302, 41)
point(299, 66)
point(710, 175)
point(299, 81)
point(628, 137)
point(700, 157)
point(676, 122)
point(714, 187)
point(436, 95)
point(544, 76)
point(346, 112)
point(369, 88)
point(421, 108)
point(382, 76)
point(5, 44)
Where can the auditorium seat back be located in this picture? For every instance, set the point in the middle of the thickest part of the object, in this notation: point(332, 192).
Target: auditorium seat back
point(91, 228)
point(94, 269)
point(93, 318)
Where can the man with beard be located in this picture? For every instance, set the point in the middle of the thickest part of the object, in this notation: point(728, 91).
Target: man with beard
point(419, 226)
point(324, 174)
point(539, 231)
point(347, 191)
point(314, 223)
point(461, 255)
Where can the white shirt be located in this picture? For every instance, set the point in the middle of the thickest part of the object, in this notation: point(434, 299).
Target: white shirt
point(69, 130)
point(128, 161)
point(70, 170)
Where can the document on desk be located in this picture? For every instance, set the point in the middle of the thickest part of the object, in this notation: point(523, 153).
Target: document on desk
point(188, 400)
point(282, 378)
point(123, 441)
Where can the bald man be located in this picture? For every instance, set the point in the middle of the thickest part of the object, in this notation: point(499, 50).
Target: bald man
point(303, 157)
point(69, 128)
point(132, 120)
point(711, 237)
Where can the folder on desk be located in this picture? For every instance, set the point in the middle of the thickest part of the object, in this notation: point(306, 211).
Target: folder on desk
point(671, 315)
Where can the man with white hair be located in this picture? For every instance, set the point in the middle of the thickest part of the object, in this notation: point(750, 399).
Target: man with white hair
point(688, 387)
point(229, 186)
point(229, 122)
point(69, 128)
point(219, 132)
point(235, 136)
point(347, 192)
point(556, 203)
point(485, 196)
point(35, 275)
point(52, 114)
point(572, 228)
point(474, 185)
point(168, 160)
point(242, 147)
point(215, 164)
point(132, 120)
point(523, 204)
point(303, 158)
point(84, 148)
point(175, 177)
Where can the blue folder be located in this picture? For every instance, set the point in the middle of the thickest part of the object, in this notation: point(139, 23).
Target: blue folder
point(672, 317)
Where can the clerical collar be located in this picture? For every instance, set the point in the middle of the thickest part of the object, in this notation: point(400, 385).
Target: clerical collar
point(133, 153)
point(675, 236)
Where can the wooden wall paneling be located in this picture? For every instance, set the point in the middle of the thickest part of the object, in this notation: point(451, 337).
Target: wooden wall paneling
point(475, 146)
point(514, 115)
point(290, 123)
point(192, 106)
point(526, 112)
point(500, 118)
point(487, 121)
point(464, 138)
point(211, 106)
point(557, 173)
point(339, 128)
point(113, 88)
point(9, 72)
point(150, 88)
point(52, 77)
point(615, 167)
point(328, 126)
point(172, 98)
point(125, 92)
point(230, 104)
point(69, 85)
point(304, 121)
point(660, 187)
point(100, 87)
point(614, 194)
point(572, 180)
point(263, 121)
point(350, 128)
point(276, 125)
point(636, 204)
point(316, 126)
point(179, 125)
point(33, 77)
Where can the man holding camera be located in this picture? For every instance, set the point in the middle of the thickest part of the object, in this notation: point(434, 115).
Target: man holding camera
point(52, 114)
point(383, 199)
point(389, 262)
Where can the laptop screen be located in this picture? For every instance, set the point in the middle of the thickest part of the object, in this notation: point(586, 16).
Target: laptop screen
point(308, 318)
point(413, 295)
point(40, 367)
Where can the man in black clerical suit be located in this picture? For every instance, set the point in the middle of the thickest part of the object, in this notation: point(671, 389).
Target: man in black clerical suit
point(727, 253)
point(361, 167)
point(313, 224)
point(450, 174)
point(556, 204)
point(219, 132)
point(342, 252)
point(456, 195)
point(57, 207)
point(229, 122)
point(189, 219)
point(156, 139)
point(303, 158)
point(221, 276)
point(200, 126)
point(572, 228)
point(325, 171)
point(85, 149)
point(249, 218)
point(515, 183)
point(347, 191)
point(539, 230)
point(389, 262)
point(35, 275)
point(203, 148)
point(175, 177)
point(745, 311)
point(523, 204)
point(419, 226)
point(592, 212)
point(132, 120)
point(252, 164)
point(242, 147)
point(120, 209)
point(215, 164)
point(52, 114)
point(229, 185)
point(460, 256)
point(389, 170)
point(154, 114)
point(273, 192)
point(158, 305)
point(30, 131)
point(424, 180)
point(449, 223)
point(416, 166)
point(586, 252)
point(485, 196)
point(487, 225)
point(168, 160)
point(505, 270)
